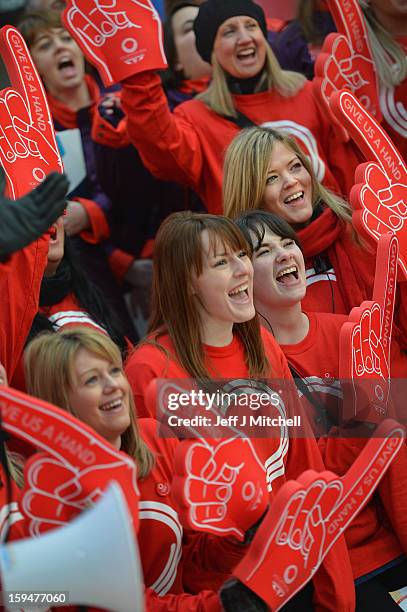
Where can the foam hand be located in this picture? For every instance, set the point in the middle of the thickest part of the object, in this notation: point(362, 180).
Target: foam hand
point(379, 197)
point(365, 341)
point(204, 419)
point(345, 61)
point(75, 468)
point(219, 485)
point(28, 150)
point(119, 37)
point(308, 515)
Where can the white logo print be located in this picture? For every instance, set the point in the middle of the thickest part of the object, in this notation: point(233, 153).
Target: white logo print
point(275, 463)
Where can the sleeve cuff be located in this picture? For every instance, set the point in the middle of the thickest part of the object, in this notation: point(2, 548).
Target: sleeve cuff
point(120, 262)
point(105, 134)
point(99, 228)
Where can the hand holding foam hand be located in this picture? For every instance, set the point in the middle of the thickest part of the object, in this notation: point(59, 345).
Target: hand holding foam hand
point(28, 150)
point(26, 219)
point(75, 468)
point(119, 37)
point(305, 519)
point(220, 486)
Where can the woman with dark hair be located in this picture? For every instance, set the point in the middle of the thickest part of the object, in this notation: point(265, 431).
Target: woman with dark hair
point(377, 540)
point(203, 326)
point(265, 169)
point(187, 74)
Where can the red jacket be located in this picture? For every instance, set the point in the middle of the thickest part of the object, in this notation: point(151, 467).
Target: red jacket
point(372, 543)
point(333, 581)
point(188, 146)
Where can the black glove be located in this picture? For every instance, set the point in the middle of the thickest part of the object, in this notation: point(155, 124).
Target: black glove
point(236, 597)
point(23, 221)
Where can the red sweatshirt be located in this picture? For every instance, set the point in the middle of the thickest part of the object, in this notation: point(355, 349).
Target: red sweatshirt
point(333, 581)
point(188, 146)
point(371, 542)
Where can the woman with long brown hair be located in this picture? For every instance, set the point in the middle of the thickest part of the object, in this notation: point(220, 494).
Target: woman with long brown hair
point(203, 327)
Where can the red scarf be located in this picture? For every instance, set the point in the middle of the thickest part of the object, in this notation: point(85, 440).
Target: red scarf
point(328, 234)
point(66, 116)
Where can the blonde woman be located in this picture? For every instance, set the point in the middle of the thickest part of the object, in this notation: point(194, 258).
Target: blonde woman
point(265, 169)
point(248, 88)
point(81, 371)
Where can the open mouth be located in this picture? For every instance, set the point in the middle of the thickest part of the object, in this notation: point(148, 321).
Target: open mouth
point(294, 198)
point(240, 294)
point(288, 275)
point(113, 406)
point(247, 54)
point(65, 64)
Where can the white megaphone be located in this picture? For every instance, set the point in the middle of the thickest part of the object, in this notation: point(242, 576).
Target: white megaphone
point(94, 560)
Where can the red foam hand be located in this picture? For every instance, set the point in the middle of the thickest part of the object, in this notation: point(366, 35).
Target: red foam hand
point(220, 486)
point(28, 150)
point(307, 516)
point(380, 194)
point(340, 68)
point(119, 37)
point(365, 341)
point(75, 468)
point(380, 207)
point(346, 59)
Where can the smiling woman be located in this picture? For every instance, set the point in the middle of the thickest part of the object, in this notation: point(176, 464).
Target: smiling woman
point(204, 328)
point(265, 169)
point(248, 87)
point(311, 343)
point(81, 371)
